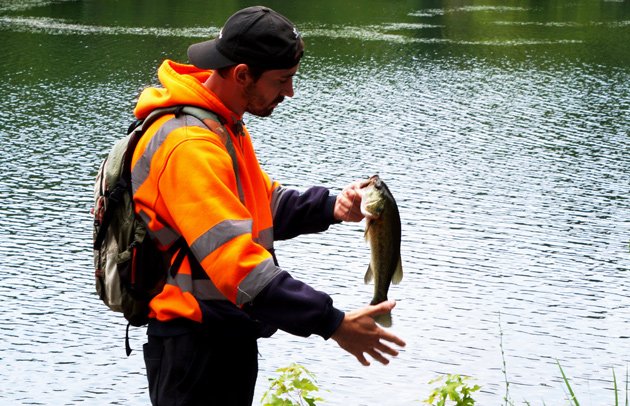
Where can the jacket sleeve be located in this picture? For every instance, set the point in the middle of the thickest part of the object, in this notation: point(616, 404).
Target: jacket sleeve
point(296, 213)
point(296, 308)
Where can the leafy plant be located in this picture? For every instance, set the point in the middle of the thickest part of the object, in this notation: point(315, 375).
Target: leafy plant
point(454, 389)
point(295, 386)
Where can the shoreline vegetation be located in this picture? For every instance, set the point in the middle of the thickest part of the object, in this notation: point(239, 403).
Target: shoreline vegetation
point(297, 386)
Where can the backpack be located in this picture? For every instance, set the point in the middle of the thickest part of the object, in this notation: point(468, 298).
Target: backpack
point(129, 268)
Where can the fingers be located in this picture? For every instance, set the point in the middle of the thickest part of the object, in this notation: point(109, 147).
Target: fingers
point(386, 335)
point(348, 205)
point(362, 359)
point(378, 353)
point(378, 356)
point(387, 350)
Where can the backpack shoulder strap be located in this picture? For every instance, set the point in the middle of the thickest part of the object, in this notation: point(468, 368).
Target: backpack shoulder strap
point(210, 119)
point(135, 132)
point(215, 124)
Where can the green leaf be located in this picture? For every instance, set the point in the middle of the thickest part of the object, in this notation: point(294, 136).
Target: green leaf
point(295, 384)
point(454, 388)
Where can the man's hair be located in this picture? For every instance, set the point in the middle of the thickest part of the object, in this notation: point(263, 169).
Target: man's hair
point(257, 71)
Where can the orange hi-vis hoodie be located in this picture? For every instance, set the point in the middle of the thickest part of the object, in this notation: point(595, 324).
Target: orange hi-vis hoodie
point(185, 185)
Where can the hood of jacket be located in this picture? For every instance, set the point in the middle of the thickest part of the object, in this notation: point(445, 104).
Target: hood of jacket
point(182, 85)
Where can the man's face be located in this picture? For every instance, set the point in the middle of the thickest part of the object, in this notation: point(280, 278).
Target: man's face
point(264, 95)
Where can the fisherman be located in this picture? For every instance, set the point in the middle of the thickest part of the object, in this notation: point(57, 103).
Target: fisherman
point(230, 291)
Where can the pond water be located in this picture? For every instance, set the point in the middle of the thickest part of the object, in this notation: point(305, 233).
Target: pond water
point(501, 127)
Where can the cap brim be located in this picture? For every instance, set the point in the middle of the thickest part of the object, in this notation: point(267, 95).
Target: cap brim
point(205, 55)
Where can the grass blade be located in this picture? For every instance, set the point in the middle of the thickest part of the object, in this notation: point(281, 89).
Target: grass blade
point(616, 390)
point(566, 381)
point(626, 386)
point(507, 382)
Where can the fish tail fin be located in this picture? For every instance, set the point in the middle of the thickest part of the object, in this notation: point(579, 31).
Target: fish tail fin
point(398, 273)
point(369, 275)
point(384, 319)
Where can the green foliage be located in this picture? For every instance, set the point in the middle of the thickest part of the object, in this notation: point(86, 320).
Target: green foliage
point(295, 386)
point(454, 389)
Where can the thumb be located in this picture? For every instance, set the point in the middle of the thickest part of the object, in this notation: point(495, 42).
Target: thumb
point(381, 308)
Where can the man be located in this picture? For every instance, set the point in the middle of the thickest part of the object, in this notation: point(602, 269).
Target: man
point(207, 187)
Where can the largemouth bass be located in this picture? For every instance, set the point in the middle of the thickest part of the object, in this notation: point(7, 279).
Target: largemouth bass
point(383, 234)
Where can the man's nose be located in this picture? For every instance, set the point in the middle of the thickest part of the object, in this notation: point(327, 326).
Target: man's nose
point(288, 88)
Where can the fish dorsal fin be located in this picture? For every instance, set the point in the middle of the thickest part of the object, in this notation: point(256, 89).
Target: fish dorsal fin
point(369, 275)
point(398, 273)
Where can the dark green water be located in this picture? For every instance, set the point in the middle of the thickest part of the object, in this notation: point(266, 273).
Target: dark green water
point(502, 128)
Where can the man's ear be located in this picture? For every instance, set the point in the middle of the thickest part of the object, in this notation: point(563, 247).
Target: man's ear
point(241, 74)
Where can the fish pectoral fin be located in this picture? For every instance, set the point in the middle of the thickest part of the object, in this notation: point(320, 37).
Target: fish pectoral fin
point(369, 275)
point(398, 273)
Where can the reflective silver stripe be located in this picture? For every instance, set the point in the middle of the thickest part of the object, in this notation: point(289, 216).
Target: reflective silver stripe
point(230, 148)
point(204, 289)
point(182, 281)
point(276, 197)
point(257, 279)
point(142, 168)
point(265, 238)
point(165, 236)
point(140, 171)
point(219, 235)
point(201, 289)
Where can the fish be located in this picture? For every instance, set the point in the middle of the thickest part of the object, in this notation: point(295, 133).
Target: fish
point(383, 234)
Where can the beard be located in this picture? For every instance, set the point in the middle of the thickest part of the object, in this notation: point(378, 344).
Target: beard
point(257, 105)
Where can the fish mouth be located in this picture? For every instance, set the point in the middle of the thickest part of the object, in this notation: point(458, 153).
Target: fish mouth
point(367, 214)
point(363, 206)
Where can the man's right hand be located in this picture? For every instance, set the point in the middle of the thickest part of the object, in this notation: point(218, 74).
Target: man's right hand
point(359, 334)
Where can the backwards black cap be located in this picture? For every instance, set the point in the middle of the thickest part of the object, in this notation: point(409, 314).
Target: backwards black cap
point(256, 36)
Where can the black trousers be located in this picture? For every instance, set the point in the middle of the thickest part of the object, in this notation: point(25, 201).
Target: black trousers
point(195, 369)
